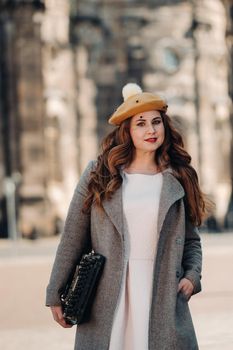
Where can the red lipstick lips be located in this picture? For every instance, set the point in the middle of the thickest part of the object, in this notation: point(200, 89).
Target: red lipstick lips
point(152, 139)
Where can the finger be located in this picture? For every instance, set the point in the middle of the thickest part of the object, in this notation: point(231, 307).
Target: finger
point(187, 291)
point(60, 319)
point(60, 314)
point(64, 324)
point(181, 285)
point(57, 313)
point(184, 290)
point(187, 286)
point(55, 316)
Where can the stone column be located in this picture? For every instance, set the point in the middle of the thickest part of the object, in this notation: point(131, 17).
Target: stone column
point(23, 110)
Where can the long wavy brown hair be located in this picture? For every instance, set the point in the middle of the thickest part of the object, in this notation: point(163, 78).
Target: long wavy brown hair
point(117, 150)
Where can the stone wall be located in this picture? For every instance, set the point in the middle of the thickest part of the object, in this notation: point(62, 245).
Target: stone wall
point(177, 49)
point(23, 114)
point(61, 73)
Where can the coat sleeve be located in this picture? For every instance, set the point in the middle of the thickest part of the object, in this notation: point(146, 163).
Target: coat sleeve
point(74, 240)
point(192, 256)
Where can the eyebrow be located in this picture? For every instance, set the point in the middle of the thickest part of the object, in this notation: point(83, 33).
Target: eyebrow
point(145, 119)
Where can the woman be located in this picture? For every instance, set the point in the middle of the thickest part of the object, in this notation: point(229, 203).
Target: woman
point(139, 205)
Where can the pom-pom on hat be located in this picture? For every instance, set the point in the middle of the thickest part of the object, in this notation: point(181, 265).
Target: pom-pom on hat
point(136, 101)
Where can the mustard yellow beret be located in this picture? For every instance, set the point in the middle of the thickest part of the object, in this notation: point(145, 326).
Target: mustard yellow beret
point(136, 101)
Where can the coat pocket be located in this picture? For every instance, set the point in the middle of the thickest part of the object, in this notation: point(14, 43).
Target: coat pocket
point(182, 308)
point(183, 297)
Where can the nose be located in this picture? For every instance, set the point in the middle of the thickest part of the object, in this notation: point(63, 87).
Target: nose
point(152, 128)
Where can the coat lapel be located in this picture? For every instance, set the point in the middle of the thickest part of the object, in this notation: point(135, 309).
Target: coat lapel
point(170, 193)
point(114, 210)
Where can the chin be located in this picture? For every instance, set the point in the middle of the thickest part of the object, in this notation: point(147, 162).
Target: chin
point(151, 148)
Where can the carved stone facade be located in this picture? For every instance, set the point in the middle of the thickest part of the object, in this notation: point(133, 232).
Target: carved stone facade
point(178, 50)
point(22, 112)
point(229, 41)
point(62, 71)
point(60, 97)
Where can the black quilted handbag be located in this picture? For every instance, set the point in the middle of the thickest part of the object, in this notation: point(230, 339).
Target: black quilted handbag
point(78, 295)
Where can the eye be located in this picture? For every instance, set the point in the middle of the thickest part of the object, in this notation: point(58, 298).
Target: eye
point(140, 124)
point(157, 121)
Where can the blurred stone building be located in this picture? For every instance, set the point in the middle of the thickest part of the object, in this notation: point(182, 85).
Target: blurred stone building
point(23, 165)
point(63, 64)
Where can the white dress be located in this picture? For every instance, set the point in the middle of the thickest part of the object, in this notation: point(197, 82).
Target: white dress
point(141, 194)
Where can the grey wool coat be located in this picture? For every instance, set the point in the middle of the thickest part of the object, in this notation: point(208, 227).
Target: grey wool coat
point(178, 255)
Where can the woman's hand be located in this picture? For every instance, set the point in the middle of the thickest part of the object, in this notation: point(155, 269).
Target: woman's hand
point(186, 287)
point(58, 316)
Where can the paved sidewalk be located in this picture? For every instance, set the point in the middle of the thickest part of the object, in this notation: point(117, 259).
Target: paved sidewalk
point(26, 323)
point(212, 309)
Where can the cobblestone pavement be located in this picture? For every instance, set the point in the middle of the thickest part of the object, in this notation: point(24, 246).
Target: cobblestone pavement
point(25, 322)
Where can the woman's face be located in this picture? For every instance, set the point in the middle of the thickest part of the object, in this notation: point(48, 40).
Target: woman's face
point(147, 131)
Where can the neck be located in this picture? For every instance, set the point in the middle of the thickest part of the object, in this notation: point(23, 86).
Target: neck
point(144, 161)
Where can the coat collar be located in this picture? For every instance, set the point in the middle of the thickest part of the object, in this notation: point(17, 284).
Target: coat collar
point(171, 191)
